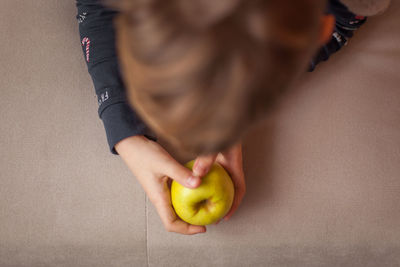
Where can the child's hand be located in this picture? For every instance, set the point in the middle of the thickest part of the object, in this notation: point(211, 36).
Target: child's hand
point(153, 167)
point(231, 160)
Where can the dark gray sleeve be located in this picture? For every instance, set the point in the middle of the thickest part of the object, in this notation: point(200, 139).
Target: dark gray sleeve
point(98, 45)
point(345, 26)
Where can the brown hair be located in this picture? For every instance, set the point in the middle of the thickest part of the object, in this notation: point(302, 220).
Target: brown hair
point(199, 72)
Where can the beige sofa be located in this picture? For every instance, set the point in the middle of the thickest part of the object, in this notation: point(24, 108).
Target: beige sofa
point(323, 172)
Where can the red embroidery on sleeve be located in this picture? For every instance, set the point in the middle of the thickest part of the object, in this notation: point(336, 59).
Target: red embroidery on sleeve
point(87, 42)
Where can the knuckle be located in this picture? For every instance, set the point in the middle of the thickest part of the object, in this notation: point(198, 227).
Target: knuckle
point(169, 228)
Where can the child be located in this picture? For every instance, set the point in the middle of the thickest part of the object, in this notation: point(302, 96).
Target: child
point(200, 73)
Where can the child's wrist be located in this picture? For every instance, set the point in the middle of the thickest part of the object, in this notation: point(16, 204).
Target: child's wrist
point(125, 145)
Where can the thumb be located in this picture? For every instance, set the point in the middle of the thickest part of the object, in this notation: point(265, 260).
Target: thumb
point(181, 174)
point(203, 164)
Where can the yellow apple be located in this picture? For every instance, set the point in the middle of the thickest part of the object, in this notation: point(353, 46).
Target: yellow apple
point(207, 203)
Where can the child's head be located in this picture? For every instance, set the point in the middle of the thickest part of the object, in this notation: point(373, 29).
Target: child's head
point(199, 72)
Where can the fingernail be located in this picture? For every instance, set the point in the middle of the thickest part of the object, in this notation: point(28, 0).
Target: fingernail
point(192, 181)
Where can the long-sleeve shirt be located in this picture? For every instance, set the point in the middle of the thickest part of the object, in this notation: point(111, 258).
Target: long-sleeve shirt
point(97, 38)
point(98, 45)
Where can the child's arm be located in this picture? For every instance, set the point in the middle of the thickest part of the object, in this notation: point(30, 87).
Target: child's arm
point(346, 24)
point(97, 40)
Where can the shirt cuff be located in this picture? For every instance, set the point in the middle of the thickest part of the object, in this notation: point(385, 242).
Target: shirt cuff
point(121, 122)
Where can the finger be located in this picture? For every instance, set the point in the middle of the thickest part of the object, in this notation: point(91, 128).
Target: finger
point(182, 227)
point(203, 164)
point(179, 173)
point(171, 221)
point(240, 191)
point(239, 194)
point(231, 160)
point(232, 156)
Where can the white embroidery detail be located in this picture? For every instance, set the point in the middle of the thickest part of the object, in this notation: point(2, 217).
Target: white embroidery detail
point(339, 38)
point(103, 98)
point(82, 17)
